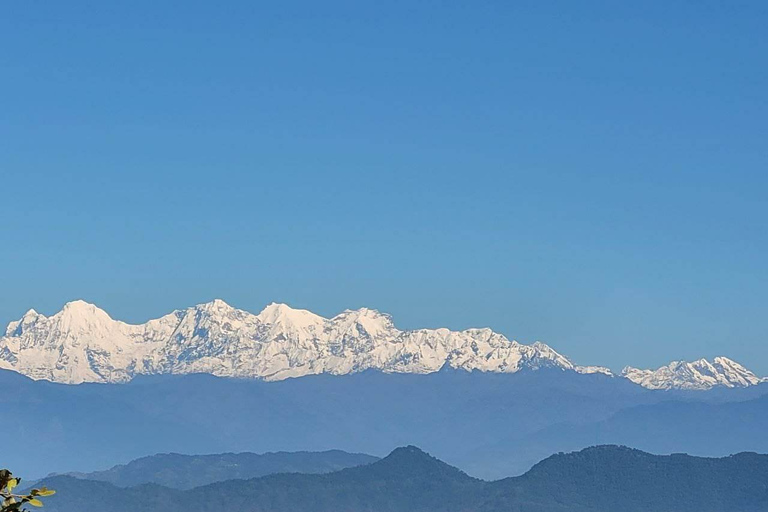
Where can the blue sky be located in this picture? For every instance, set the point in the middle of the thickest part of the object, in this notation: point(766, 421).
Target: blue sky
point(591, 174)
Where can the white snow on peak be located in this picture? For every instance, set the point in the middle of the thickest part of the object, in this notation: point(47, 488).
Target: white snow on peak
point(284, 314)
point(17, 327)
point(80, 313)
point(79, 305)
point(594, 369)
point(214, 305)
point(82, 343)
point(698, 375)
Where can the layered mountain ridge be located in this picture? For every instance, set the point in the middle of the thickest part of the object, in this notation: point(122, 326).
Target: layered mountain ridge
point(184, 472)
point(596, 479)
point(82, 343)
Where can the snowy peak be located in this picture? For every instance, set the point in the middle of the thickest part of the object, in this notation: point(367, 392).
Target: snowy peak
point(283, 314)
point(79, 306)
point(214, 306)
point(82, 343)
point(698, 375)
point(81, 316)
point(76, 316)
point(364, 322)
point(19, 326)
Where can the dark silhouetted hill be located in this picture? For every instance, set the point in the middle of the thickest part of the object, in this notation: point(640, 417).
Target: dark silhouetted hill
point(599, 479)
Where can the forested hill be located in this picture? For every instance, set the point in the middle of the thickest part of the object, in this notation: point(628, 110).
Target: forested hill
point(599, 479)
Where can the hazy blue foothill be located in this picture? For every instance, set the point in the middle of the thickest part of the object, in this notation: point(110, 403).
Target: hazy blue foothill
point(490, 425)
point(187, 471)
point(598, 479)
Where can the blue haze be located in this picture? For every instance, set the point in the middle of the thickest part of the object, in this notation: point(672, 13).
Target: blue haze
point(592, 174)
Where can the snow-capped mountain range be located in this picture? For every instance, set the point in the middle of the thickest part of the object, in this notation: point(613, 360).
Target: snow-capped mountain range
point(700, 374)
point(82, 343)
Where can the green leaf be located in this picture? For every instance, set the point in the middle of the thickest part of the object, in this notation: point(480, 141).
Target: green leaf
point(13, 482)
point(35, 502)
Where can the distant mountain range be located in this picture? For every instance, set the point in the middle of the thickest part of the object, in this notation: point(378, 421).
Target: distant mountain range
point(491, 425)
point(700, 374)
point(82, 343)
point(187, 471)
point(599, 479)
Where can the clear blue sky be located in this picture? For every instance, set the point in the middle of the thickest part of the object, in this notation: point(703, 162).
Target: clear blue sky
point(591, 174)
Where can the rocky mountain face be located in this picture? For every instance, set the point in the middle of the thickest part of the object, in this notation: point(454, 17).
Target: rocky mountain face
point(82, 343)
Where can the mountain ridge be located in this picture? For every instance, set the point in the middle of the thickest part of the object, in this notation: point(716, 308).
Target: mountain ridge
point(596, 479)
point(82, 343)
point(179, 471)
point(700, 374)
